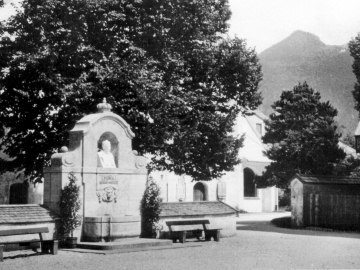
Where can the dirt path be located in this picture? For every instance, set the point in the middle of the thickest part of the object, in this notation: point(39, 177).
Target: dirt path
point(258, 244)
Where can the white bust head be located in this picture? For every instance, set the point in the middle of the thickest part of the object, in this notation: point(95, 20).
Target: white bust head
point(105, 157)
point(106, 146)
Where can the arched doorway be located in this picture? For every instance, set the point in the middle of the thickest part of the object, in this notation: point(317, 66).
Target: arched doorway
point(200, 192)
point(249, 183)
point(18, 193)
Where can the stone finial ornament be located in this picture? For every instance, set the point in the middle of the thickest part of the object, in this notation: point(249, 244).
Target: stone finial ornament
point(104, 106)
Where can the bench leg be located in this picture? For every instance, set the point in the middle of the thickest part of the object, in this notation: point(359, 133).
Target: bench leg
point(173, 236)
point(50, 246)
point(197, 234)
point(207, 236)
point(212, 234)
point(55, 247)
point(217, 235)
point(182, 237)
point(1, 253)
point(178, 235)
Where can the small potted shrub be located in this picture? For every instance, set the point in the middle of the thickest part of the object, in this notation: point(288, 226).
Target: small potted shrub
point(69, 205)
point(150, 210)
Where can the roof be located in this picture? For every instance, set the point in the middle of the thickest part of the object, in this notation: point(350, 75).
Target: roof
point(24, 213)
point(86, 123)
point(195, 208)
point(327, 180)
point(261, 115)
point(253, 147)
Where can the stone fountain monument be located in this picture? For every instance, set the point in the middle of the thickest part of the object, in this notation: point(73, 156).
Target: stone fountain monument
point(112, 176)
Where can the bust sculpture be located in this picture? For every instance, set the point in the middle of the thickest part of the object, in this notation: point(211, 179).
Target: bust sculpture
point(105, 157)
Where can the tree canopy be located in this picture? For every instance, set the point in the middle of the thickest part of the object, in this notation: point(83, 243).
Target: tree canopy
point(302, 137)
point(354, 46)
point(165, 67)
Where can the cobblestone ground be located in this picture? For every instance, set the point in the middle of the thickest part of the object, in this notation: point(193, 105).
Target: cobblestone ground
point(258, 244)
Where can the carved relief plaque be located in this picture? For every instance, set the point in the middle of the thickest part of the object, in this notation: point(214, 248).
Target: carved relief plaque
point(107, 187)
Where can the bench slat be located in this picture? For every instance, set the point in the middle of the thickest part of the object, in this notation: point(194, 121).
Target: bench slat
point(24, 231)
point(187, 222)
point(20, 241)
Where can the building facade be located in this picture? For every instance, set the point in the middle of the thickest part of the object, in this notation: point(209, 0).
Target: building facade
point(236, 188)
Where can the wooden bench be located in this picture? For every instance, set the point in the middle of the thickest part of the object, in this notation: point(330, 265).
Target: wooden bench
point(47, 246)
point(181, 234)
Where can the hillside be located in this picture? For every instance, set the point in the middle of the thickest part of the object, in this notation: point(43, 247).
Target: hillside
point(304, 57)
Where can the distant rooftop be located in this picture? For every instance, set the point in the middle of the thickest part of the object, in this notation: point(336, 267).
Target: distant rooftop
point(327, 180)
point(195, 208)
point(24, 213)
point(261, 115)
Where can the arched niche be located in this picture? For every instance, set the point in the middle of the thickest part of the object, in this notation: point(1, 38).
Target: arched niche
point(91, 130)
point(200, 192)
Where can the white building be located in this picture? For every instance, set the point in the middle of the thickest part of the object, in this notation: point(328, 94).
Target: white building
point(236, 188)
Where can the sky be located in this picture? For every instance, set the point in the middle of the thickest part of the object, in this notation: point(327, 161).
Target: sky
point(264, 23)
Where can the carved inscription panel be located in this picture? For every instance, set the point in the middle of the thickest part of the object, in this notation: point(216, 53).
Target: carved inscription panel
point(109, 188)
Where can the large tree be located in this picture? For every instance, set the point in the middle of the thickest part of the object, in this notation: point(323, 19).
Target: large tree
point(354, 46)
point(163, 65)
point(302, 137)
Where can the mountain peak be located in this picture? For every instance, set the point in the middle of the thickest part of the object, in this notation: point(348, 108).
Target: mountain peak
point(326, 68)
point(299, 43)
point(301, 37)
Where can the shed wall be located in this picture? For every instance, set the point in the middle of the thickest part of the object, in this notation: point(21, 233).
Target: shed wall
point(332, 206)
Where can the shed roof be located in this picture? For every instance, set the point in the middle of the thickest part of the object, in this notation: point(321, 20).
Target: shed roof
point(195, 208)
point(24, 213)
point(327, 180)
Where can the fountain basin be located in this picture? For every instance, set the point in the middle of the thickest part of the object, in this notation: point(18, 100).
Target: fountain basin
point(109, 228)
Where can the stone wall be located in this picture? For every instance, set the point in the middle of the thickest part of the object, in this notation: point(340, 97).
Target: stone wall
point(6, 180)
point(266, 201)
point(34, 191)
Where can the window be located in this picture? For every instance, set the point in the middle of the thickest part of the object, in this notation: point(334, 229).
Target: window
point(249, 184)
point(259, 128)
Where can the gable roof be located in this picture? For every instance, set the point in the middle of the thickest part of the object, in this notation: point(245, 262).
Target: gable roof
point(327, 180)
point(253, 147)
point(195, 208)
point(261, 115)
point(25, 213)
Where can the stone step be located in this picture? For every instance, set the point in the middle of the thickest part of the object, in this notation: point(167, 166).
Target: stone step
point(126, 244)
point(140, 249)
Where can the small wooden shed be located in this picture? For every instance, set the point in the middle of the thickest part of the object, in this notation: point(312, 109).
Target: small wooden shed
point(325, 201)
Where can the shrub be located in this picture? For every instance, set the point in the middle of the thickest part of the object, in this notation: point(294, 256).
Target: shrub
point(285, 198)
point(69, 205)
point(150, 209)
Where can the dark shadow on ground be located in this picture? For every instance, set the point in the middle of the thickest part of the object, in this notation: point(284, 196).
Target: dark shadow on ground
point(268, 226)
point(12, 257)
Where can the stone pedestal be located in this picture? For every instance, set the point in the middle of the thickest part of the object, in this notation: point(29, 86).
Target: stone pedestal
point(110, 196)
